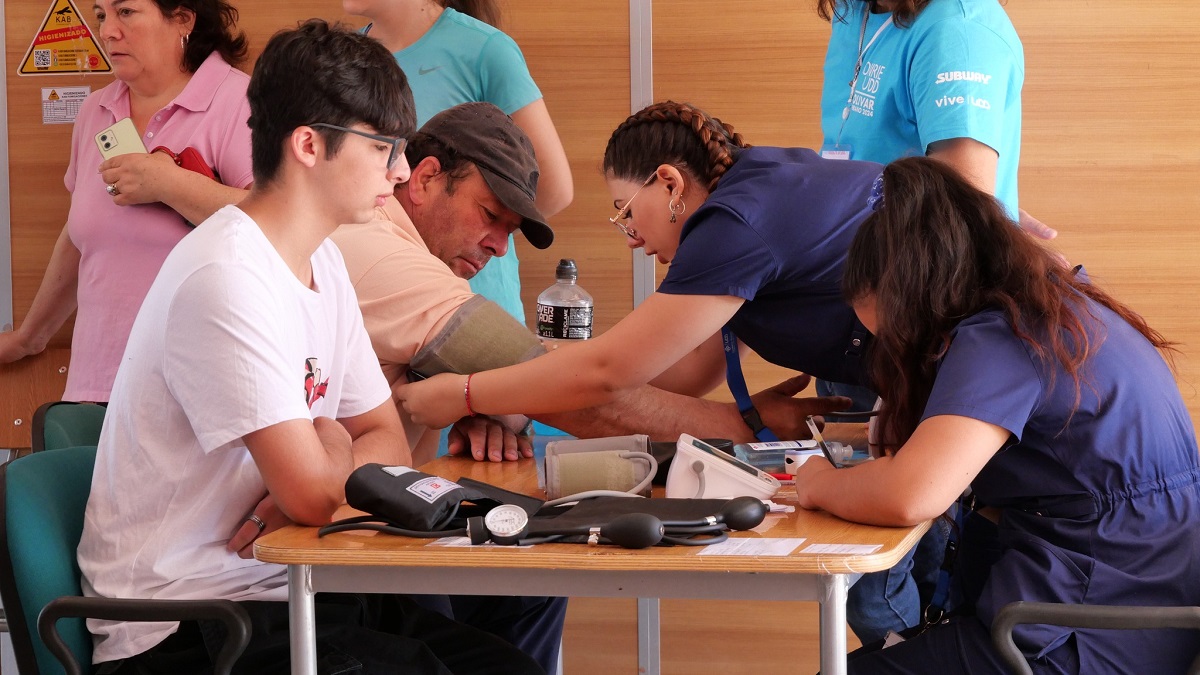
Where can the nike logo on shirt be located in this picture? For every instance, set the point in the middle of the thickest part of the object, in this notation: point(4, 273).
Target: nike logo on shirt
point(423, 70)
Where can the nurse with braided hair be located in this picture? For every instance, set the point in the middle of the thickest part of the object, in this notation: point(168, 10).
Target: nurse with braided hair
point(756, 238)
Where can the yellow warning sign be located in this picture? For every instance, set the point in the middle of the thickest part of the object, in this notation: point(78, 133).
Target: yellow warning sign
point(64, 44)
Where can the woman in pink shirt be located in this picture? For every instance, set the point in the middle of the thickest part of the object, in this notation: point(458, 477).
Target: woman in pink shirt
point(173, 60)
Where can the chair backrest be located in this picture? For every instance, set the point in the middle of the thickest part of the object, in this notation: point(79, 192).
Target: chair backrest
point(42, 500)
point(66, 424)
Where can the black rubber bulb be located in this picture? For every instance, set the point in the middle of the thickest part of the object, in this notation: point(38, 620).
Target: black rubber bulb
point(743, 513)
point(633, 530)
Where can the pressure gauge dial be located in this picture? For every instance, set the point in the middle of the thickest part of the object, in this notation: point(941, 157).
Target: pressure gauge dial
point(506, 523)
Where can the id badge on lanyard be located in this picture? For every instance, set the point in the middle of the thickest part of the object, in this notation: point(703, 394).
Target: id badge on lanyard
point(837, 149)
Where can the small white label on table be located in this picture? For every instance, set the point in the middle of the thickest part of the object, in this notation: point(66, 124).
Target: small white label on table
point(753, 547)
point(843, 549)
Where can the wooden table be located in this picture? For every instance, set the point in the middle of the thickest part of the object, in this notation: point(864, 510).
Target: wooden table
point(367, 562)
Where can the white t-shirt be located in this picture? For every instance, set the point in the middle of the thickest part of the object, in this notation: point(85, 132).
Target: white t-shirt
point(228, 341)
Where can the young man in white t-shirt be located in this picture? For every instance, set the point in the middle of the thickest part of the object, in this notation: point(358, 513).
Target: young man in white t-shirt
point(249, 391)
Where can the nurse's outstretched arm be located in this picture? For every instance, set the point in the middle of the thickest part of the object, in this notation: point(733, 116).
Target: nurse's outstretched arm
point(662, 330)
point(698, 372)
point(920, 481)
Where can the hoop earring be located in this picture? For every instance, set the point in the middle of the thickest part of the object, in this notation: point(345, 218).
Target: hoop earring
point(675, 212)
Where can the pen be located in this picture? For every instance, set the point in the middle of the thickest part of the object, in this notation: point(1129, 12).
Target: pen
point(816, 434)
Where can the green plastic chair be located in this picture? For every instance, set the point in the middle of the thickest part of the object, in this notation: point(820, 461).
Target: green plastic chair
point(66, 424)
point(42, 502)
point(1084, 616)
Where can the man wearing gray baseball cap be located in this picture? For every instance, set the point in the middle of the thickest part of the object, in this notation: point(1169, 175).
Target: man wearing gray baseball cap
point(474, 181)
point(482, 134)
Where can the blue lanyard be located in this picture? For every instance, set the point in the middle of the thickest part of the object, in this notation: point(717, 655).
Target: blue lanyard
point(945, 597)
point(737, 385)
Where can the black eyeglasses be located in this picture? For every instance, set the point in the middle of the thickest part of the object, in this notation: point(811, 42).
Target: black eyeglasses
point(397, 144)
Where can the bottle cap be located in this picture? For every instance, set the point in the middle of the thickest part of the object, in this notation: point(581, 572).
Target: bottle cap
point(566, 269)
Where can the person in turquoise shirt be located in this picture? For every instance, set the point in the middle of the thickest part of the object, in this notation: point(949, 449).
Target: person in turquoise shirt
point(453, 53)
point(926, 77)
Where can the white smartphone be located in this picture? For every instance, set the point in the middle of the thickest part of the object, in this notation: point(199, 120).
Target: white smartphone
point(121, 138)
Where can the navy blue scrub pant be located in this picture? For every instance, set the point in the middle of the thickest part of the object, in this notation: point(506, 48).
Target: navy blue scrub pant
point(962, 645)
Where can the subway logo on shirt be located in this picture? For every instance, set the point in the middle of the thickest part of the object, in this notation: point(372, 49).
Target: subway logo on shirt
point(962, 76)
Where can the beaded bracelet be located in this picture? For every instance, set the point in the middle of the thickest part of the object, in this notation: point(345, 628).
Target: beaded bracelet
point(467, 394)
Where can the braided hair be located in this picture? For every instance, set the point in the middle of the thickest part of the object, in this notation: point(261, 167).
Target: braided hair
point(679, 134)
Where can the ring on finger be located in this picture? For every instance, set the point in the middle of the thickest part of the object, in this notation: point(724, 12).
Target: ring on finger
point(259, 522)
point(112, 191)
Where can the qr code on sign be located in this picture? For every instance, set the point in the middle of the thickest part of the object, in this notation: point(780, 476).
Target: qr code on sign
point(41, 58)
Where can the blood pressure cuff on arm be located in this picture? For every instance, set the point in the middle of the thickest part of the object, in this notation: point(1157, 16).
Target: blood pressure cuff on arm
point(480, 336)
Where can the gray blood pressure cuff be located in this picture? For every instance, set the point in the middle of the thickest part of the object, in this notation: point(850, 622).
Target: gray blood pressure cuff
point(480, 336)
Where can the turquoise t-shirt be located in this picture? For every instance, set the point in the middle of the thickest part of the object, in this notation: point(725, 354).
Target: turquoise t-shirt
point(956, 72)
point(463, 60)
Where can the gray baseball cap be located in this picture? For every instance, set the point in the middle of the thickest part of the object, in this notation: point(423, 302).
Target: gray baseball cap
point(483, 134)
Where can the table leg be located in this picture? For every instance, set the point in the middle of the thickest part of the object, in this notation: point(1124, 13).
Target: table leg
point(302, 620)
point(833, 623)
point(649, 655)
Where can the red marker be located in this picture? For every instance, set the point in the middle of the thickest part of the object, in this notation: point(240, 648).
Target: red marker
point(782, 476)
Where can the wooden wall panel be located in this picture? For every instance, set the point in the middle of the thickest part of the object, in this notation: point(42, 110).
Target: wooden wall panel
point(1111, 154)
point(578, 52)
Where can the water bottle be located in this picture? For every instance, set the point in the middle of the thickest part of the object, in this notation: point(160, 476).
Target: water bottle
point(564, 311)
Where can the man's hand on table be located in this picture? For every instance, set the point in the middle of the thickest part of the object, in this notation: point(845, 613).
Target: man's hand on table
point(486, 439)
point(784, 413)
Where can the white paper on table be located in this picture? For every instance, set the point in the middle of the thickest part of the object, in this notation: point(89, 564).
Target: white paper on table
point(849, 549)
point(754, 547)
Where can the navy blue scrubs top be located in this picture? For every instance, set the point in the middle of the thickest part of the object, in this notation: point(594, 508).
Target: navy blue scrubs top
point(775, 232)
point(1100, 502)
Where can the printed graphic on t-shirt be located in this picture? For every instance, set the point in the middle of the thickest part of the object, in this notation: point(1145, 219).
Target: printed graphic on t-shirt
point(967, 76)
point(314, 388)
point(866, 89)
